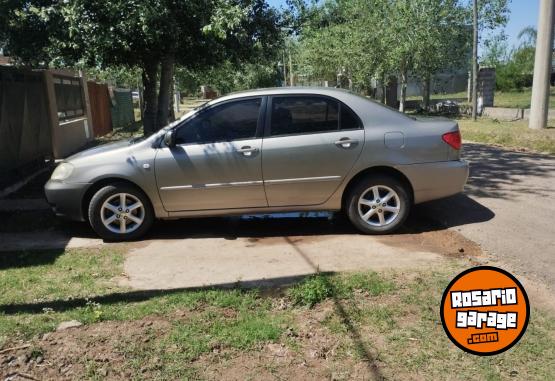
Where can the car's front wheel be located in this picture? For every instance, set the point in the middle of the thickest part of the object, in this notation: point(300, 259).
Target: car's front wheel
point(378, 205)
point(120, 212)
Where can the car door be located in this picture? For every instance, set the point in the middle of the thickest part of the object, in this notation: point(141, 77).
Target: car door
point(311, 142)
point(216, 162)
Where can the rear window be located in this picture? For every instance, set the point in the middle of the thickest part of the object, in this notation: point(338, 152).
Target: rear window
point(349, 120)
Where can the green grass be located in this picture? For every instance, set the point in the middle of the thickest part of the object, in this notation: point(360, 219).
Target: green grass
point(519, 99)
point(312, 291)
point(51, 274)
point(434, 355)
point(62, 277)
point(211, 330)
point(509, 134)
point(510, 99)
point(204, 332)
point(319, 287)
point(461, 95)
point(391, 316)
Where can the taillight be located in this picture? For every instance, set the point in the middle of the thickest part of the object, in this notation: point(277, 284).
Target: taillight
point(453, 139)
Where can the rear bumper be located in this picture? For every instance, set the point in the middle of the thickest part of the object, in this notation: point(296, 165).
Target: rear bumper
point(431, 181)
point(66, 199)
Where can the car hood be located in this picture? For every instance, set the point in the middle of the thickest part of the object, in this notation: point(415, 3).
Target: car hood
point(101, 149)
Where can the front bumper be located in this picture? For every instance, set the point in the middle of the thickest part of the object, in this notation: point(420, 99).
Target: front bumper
point(432, 181)
point(66, 198)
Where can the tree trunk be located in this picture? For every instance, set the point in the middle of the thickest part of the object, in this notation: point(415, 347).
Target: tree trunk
point(141, 103)
point(426, 92)
point(404, 81)
point(165, 93)
point(171, 106)
point(150, 107)
point(383, 84)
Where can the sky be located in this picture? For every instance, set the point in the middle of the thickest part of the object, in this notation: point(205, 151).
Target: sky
point(523, 13)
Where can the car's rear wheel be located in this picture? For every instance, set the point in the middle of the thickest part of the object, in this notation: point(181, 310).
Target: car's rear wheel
point(120, 212)
point(378, 205)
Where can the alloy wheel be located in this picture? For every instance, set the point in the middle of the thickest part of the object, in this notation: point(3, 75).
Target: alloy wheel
point(379, 205)
point(122, 213)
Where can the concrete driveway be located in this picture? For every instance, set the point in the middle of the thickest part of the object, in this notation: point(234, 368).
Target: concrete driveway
point(269, 251)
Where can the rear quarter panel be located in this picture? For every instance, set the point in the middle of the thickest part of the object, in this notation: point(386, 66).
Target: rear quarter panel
point(422, 142)
point(417, 157)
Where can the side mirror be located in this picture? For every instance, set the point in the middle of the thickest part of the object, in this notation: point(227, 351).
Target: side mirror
point(169, 138)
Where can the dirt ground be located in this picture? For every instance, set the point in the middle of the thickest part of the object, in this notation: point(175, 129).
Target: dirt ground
point(75, 353)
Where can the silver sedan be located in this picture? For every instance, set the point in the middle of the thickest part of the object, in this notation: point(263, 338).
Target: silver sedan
point(265, 151)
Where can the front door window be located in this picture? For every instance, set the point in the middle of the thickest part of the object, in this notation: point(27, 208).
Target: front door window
point(228, 122)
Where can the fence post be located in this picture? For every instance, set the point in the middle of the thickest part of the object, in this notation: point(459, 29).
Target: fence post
point(89, 130)
point(52, 111)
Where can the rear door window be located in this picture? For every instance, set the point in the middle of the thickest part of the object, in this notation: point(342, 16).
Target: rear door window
point(303, 115)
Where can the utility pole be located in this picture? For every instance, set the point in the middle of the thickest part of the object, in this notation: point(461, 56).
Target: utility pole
point(542, 65)
point(475, 63)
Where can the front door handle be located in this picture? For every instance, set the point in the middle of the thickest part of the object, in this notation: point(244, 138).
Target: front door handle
point(346, 143)
point(247, 150)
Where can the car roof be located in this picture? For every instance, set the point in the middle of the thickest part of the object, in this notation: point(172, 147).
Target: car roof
point(367, 109)
point(286, 91)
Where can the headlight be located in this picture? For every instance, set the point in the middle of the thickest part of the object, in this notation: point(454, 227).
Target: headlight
point(62, 172)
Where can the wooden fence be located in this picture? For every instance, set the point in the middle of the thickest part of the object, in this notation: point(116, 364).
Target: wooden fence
point(100, 108)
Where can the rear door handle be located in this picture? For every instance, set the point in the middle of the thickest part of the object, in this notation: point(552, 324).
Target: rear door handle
point(346, 143)
point(247, 151)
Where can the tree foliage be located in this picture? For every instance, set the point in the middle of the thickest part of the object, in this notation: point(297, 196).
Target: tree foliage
point(152, 35)
point(514, 67)
point(365, 39)
point(228, 77)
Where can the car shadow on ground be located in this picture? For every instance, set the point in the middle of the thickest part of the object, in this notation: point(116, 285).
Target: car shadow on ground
point(493, 170)
point(422, 219)
point(20, 259)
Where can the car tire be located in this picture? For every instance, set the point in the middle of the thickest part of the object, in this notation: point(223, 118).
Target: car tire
point(392, 201)
point(114, 221)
